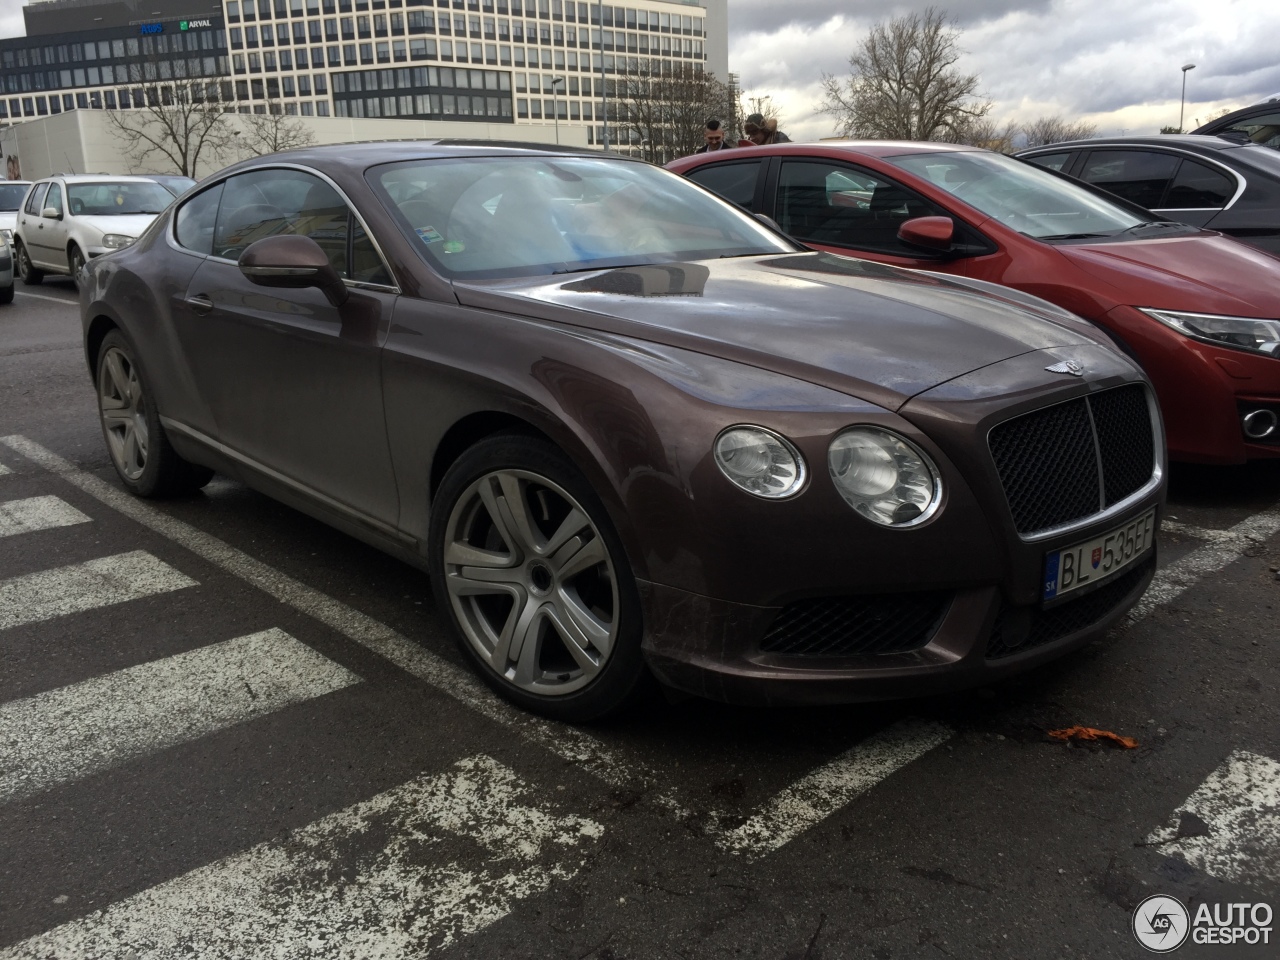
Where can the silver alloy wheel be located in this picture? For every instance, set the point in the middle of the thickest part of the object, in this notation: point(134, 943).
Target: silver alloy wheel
point(76, 264)
point(124, 413)
point(24, 262)
point(531, 582)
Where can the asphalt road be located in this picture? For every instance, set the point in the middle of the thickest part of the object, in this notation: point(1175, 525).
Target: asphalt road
point(228, 731)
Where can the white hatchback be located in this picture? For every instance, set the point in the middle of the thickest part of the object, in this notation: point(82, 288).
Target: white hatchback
point(68, 220)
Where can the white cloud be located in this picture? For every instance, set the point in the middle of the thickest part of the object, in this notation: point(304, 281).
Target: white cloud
point(1117, 65)
point(11, 22)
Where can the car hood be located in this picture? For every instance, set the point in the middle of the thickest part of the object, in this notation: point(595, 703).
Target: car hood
point(131, 225)
point(1202, 273)
point(874, 331)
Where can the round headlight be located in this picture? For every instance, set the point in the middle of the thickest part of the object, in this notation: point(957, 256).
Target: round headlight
point(885, 477)
point(760, 462)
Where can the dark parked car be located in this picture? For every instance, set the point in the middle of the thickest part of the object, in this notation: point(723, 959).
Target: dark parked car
point(620, 420)
point(1209, 182)
point(1201, 313)
point(175, 184)
point(1259, 123)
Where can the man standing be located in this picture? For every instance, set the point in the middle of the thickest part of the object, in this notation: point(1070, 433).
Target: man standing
point(714, 133)
point(763, 132)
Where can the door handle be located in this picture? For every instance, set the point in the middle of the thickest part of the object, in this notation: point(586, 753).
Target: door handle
point(199, 304)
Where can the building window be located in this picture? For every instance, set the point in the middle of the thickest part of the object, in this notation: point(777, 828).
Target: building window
point(322, 108)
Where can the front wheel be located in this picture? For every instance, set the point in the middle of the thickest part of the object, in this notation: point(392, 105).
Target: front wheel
point(75, 263)
point(136, 440)
point(26, 269)
point(527, 564)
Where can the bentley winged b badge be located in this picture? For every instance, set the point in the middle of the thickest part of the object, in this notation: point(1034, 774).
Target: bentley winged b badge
point(1067, 366)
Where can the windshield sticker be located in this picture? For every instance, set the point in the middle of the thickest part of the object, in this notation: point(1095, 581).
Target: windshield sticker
point(428, 234)
point(454, 246)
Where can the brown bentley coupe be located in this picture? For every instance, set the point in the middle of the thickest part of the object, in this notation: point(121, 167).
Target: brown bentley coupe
point(627, 426)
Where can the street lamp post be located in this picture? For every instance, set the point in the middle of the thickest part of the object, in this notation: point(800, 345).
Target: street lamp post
point(1182, 107)
point(556, 83)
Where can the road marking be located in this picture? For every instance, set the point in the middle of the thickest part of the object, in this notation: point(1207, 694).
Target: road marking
point(73, 732)
point(37, 513)
point(567, 742)
point(386, 878)
point(1230, 826)
point(40, 296)
point(822, 792)
point(1226, 547)
point(86, 586)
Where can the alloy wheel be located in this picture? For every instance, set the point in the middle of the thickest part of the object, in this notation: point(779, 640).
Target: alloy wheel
point(531, 582)
point(124, 413)
point(77, 264)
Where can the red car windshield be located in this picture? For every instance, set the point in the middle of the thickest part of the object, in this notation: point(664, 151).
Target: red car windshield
point(1021, 196)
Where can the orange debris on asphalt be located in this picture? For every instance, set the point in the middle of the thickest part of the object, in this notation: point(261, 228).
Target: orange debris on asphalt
point(1090, 733)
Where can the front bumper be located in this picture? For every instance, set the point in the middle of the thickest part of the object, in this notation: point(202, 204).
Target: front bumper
point(712, 648)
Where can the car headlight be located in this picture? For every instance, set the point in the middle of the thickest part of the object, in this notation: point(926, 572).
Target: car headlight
point(760, 461)
point(7, 235)
point(1243, 333)
point(884, 477)
point(117, 241)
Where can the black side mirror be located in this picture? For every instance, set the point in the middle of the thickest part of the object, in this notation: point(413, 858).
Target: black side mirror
point(293, 262)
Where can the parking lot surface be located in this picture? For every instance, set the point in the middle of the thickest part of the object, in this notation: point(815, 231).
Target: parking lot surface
point(229, 731)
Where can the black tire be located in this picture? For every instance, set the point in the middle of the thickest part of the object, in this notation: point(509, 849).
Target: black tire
point(148, 466)
point(31, 277)
point(6, 294)
point(75, 263)
point(601, 592)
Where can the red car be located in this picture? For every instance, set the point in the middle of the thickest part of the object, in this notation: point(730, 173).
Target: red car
point(1199, 311)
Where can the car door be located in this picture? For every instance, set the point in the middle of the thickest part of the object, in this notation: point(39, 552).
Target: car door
point(292, 380)
point(54, 233)
point(32, 223)
point(738, 181)
point(835, 206)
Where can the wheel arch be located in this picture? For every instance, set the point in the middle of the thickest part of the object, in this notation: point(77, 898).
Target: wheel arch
point(469, 431)
point(94, 334)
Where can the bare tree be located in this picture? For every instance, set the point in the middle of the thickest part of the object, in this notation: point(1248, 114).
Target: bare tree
point(173, 124)
point(1056, 129)
point(988, 133)
point(273, 130)
point(663, 107)
point(903, 83)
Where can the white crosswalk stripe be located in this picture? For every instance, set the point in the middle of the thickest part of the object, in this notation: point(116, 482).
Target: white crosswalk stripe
point(368, 881)
point(1230, 826)
point(817, 795)
point(75, 731)
point(86, 586)
point(37, 513)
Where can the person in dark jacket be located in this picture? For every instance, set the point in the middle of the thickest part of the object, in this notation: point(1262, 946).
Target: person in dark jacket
point(714, 133)
point(762, 132)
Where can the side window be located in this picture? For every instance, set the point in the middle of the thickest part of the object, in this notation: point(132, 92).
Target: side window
point(1051, 161)
point(195, 220)
point(832, 203)
point(269, 203)
point(736, 182)
point(1264, 130)
point(35, 202)
point(1197, 185)
point(1136, 175)
point(54, 198)
point(366, 265)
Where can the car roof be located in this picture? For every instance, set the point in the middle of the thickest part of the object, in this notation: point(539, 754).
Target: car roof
point(1262, 108)
point(371, 153)
point(1186, 141)
point(98, 178)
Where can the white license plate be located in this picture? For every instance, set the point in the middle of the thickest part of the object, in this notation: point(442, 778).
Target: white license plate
point(1098, 559)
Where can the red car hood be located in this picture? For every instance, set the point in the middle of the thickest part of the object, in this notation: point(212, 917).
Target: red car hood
point(1201, 273)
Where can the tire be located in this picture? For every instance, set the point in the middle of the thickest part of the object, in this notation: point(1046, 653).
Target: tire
point(6, 294)
point(526, 589)
point(31, 277)
point(136, 441)
point(75, 263)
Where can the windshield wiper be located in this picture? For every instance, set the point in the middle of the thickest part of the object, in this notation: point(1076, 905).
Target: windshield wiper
point(1075, 236)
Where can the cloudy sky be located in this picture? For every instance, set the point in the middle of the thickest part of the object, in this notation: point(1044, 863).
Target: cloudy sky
point(1116, 64)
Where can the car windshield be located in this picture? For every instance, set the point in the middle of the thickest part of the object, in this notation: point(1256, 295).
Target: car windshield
point(11, 195)
point(116, 199)
point(485, 218)
point(1023, 197)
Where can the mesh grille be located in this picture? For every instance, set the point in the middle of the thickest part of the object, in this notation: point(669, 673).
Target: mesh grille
point(1048, 461)
point(856, 626)
point(1013, 634)
point(1048, 466)
point(1125, 440)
